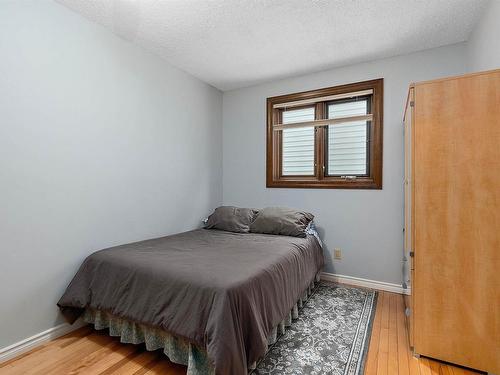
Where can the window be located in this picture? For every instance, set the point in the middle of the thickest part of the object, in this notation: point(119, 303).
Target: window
point(327, 138)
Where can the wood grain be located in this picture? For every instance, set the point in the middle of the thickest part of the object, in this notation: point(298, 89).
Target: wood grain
point(457, 218)
point(384, 354)
point(86, 351)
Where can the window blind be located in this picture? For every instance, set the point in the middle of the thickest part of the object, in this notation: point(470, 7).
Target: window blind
point(298, 143)
point(347, 142)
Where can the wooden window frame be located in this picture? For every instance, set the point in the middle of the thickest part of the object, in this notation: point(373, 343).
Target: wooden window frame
point(321, 180)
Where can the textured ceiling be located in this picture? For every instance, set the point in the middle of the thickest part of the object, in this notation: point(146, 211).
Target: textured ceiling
point(237, 43)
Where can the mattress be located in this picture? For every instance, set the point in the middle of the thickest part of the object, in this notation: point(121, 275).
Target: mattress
point(223, 292)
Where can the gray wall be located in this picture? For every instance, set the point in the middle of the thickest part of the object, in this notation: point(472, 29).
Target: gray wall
point(365, 224)
point(483, 47)
point(101, 143)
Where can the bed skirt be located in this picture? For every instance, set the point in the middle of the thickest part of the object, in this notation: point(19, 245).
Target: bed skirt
point(177, 349)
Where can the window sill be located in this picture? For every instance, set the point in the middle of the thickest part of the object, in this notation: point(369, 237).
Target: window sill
point(361, 183)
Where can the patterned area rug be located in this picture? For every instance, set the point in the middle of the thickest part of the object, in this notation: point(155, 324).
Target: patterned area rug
point(331, 335)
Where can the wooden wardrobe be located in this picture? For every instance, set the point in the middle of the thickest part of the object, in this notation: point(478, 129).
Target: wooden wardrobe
point(452, 219)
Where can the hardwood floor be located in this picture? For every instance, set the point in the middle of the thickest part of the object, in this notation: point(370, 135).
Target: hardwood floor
point(389, 352)
point(86, 351)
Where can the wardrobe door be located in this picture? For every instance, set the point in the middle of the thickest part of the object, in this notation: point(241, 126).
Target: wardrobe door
point(457, 220)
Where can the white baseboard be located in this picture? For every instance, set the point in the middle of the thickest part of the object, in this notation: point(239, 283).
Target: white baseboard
point(29, 343)
point(366, 283)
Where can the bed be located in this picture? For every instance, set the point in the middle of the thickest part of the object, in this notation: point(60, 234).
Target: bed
point(210, 298)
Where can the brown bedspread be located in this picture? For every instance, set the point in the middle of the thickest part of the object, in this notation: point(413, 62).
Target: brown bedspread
point(222, 291)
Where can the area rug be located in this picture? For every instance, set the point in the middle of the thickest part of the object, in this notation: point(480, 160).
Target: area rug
point(330, 336)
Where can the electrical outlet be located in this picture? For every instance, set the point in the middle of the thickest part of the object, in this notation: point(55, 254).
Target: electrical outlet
point(337, 253)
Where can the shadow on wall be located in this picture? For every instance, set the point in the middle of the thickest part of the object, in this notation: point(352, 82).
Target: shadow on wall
point(327, 254)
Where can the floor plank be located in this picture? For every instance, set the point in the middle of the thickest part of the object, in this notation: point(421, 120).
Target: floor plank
point(133, 364)
point(86, 351)
point(383, 346)
point(372, 358)
point(403, 365)
point(389, 345)
point(393, 360)
point(425, 366)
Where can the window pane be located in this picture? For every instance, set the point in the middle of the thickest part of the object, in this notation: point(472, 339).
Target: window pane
point(298, 144)
point(347, 108)
point(347, 143)
point(298, 115)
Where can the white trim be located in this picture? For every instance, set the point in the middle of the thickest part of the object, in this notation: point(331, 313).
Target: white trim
point(315, 123)
point(366, 283)
point(30, 343)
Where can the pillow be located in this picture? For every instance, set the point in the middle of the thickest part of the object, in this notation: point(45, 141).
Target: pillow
point(281, 220)
point(231, 219)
